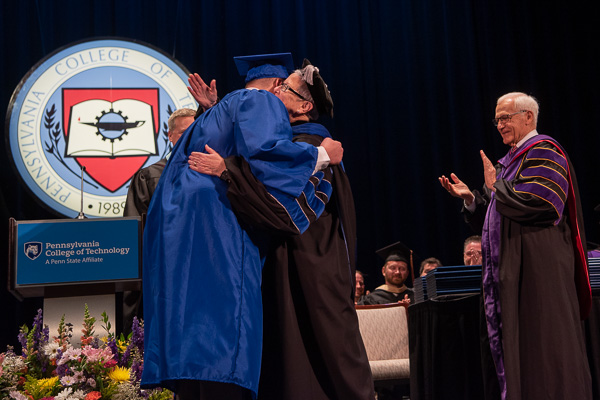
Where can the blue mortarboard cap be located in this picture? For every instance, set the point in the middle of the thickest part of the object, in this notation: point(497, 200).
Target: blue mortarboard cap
point(277, 65)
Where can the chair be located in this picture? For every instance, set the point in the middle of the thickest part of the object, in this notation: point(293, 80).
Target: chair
point(384, 330)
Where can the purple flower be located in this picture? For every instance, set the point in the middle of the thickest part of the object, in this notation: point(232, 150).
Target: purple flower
point(137, 337)
point(46, 333)
point(23, 340)
point(136, 368)
point(112, 345)
point(62, 370)
point(40, 337)
point(38, 329)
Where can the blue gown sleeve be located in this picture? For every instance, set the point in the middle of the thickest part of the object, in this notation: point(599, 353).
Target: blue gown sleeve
point(271, 210)
point(263, 136)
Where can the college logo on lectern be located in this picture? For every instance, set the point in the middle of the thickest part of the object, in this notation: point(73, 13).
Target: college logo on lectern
point(32, 249)
point(91, 115)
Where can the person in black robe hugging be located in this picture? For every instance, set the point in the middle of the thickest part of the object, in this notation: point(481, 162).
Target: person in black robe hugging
point(312, 347)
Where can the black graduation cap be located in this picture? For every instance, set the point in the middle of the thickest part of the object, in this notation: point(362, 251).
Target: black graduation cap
point(398, 252)
point(276, 65)
point(318, 88)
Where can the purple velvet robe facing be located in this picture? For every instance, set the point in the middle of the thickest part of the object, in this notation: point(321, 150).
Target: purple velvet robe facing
point(535, 285)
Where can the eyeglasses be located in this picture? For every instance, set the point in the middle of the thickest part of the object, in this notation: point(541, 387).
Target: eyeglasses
point(285, 87)
point(506, 118)
point(472, 253)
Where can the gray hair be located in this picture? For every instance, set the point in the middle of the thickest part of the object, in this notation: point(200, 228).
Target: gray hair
point(471, 239)
point(304, 92)
point(182, 112)
point(523, 101)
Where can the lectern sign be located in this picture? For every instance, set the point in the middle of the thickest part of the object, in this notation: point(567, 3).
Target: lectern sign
point(98, 106)
point(75, 252)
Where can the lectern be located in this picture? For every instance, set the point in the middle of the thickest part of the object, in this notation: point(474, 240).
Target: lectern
point(73, 262)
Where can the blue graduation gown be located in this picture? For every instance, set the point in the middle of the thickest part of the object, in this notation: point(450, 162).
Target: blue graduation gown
point(202, 270)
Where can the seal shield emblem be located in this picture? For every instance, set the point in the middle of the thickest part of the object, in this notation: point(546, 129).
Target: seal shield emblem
point(111, 133)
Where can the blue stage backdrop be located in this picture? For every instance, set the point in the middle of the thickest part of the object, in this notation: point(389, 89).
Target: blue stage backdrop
point(414, 85)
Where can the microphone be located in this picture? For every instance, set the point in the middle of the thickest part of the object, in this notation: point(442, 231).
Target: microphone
point(81, 215)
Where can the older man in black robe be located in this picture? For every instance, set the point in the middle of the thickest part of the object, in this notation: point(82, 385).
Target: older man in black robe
point(536, 289)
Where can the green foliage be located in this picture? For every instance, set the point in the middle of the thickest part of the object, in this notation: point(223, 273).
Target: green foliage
point(40, 388)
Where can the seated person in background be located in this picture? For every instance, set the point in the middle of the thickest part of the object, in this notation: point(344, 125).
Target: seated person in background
point(359, 291)
point(472, 250)
point(429, 264)
point(396, 272)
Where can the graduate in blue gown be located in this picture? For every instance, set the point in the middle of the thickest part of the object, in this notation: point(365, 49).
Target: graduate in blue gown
point(202, 270)
point(312, 345)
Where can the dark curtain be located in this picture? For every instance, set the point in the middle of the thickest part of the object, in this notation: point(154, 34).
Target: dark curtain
point(414, 84)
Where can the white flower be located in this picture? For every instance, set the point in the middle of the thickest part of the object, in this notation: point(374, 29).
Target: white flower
point(68, 394)
point(70, 354)
point(127, 391)
point(68, 380)
point(17, 396)
point(64, 394)
point(78, 376)
point(51, 350)
point(91, 382)
point(12, 363)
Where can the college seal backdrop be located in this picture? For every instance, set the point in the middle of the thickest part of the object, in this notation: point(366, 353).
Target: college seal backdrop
point(94, 111)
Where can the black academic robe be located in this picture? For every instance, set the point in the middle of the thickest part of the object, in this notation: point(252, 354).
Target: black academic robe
point(141, 188)
point(382, 296)
point(541, 332)
point(312, 348)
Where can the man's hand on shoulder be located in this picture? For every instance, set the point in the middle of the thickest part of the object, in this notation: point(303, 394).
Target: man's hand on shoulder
point(209, 163)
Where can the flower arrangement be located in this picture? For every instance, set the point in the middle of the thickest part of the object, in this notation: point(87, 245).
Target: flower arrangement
point(101, 369)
